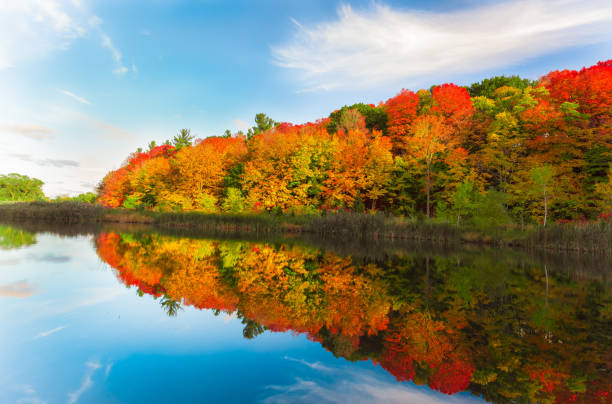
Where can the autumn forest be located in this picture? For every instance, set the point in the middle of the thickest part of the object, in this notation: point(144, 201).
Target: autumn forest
point(512, 149)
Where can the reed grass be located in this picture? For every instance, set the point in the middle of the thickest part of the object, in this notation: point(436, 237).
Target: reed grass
point(589, 237)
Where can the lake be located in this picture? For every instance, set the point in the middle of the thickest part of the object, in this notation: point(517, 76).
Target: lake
point(125, 315)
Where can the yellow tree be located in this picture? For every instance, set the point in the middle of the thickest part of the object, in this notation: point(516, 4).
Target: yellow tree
point(200, 169)
point(378, 167)
point(430, 138)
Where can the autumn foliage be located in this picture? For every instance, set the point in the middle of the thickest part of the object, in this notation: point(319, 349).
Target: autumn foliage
point(408, 155)
point(505, 331)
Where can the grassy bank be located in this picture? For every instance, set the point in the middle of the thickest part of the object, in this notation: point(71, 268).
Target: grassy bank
point(592, 237)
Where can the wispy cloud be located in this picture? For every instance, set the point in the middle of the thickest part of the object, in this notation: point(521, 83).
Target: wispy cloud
point(109, 130)
point(36, 132)
point(51, 258)
point(240, 124)
point(116, 54)
point(313, 365)
point(75, 97)
point(90, 297)
point(20, 289)
point(355, 388)
point(49, 332)
point(382, 44)
point(74, 396)
point(59, 163)
point(32, 28)
point(10, 261)
point(348, 385)
point(107, 369)
point(31, 395)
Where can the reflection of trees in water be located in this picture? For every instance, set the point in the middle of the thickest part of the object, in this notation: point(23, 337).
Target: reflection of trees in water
point(251, 328)
point(504, 328)
point(11, 237)
point(170, 306)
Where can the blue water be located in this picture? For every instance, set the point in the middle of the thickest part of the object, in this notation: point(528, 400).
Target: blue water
point(73, 333)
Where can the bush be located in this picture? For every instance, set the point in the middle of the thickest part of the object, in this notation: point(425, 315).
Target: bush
point(207, 203)
point(233, 202)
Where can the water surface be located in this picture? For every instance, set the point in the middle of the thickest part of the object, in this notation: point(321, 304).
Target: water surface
point(138, 316)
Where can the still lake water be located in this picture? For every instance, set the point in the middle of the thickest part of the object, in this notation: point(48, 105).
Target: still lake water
point(142, 317)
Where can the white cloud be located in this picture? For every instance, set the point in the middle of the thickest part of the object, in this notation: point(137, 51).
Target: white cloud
point(19, 289)
point(31, 395)
point(36, 132)
point(49, 332)
point(365, 48)
point(32, 28)
point(117, 57)
point(74, 96)
point(86, 384)
point(345, 385)
point(240, 124)
point(45, 162)
point(313, 365)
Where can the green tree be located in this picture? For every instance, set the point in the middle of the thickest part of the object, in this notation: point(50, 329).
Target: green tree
point(597, 160)
point(234, 201)
point(486, 87)
point(88, 197)
point(170, 306)
point(16, 187)
point(375, 117)
point(14, 238)
point(465, 201)
point(182, 139)
point(262, 123)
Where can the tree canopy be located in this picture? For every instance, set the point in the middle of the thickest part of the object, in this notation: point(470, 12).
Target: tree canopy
point(17, 187)
point(408, 155)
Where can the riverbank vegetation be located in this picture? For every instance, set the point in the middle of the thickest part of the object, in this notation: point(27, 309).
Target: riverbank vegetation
point(581, 236)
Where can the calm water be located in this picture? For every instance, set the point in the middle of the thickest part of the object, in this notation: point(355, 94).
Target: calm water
point(141, 317)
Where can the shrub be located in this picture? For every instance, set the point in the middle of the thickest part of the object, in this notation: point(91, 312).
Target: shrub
point(233, 202)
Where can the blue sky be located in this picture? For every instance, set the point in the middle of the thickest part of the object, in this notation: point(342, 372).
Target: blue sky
point(85, 82)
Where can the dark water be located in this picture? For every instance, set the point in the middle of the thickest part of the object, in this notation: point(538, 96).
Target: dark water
point(141, 317)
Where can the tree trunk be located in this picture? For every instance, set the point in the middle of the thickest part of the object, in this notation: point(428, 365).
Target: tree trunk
point(545, 207)
point(428, 186)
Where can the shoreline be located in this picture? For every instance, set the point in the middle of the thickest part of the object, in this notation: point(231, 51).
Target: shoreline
point(588, 237)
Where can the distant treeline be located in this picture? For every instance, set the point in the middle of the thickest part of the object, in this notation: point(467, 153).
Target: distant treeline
point(501, 150)
point(21, 188)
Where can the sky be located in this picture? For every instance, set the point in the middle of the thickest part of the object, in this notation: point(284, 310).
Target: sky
point(83, 83)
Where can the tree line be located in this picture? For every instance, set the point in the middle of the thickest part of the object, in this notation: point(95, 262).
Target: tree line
point(502, 149)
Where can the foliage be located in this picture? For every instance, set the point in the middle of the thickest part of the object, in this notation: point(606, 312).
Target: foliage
point(233, 202)
point(508, 330)
point(17, 187)
point(262, 123)
point(375, 117)
point(14, 238)
point(405, 156)
point(486, 87)
point(182, 139)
